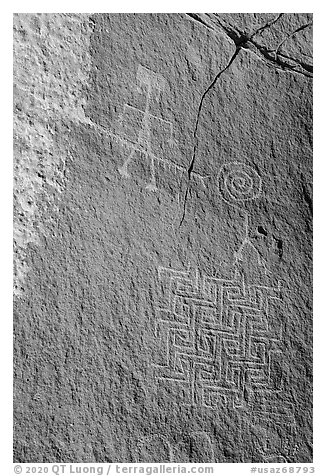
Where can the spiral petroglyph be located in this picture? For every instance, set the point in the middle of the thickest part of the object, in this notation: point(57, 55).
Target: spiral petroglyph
point(238, 183)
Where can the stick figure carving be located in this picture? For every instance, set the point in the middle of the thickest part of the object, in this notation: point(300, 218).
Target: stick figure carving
point(239, 183)
point(155, 84)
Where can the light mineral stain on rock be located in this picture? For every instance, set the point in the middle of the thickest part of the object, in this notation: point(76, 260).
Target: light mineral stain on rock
point(51, 68)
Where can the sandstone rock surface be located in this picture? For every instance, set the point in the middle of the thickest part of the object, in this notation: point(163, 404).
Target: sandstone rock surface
point(163, 229)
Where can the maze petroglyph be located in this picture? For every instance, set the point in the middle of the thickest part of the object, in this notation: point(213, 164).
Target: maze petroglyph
point(219, 338)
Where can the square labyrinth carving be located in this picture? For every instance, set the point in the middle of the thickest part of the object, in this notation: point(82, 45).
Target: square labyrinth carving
point(219, 340)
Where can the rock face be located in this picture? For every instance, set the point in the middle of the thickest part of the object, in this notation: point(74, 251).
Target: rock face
point(163, 225)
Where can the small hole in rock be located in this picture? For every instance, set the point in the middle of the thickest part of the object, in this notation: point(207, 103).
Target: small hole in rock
point(262, 231)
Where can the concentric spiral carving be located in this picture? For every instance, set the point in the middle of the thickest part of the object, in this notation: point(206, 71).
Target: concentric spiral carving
point(238, 183)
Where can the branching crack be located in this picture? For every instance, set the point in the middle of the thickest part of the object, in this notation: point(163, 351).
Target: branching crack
point(272, 57)
point(279, 62)
point(302, 27)
point(232, 32)
point(267, 25)
point(236, 35)
point(242, 41)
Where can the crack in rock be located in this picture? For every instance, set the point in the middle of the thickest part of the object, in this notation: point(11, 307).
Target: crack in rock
point(192, 162)
point(198, 19)
point(271, 57)
point(267, 25)
point(271, 61)
point(238, 36)
point(240, 41)
point(301, 28)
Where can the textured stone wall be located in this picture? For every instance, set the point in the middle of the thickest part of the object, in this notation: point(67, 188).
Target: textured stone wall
point(163, 227)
